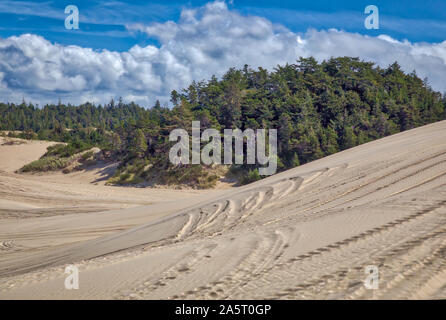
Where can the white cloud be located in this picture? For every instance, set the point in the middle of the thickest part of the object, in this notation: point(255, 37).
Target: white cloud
point(205, 41)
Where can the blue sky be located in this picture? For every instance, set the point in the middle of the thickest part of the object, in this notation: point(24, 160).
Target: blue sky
point(103, 23)
point(142, 50)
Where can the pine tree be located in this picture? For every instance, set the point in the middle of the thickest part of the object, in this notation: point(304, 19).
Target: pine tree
point(139, 144)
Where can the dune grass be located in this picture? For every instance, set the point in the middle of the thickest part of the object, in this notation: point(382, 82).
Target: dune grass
point(46, 164)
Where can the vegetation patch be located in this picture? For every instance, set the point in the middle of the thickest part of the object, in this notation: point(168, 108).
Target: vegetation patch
point(62, 157)
point(46, 164)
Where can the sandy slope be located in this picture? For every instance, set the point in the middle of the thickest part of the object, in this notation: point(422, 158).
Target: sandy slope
point(305, 233)
point(39, 212)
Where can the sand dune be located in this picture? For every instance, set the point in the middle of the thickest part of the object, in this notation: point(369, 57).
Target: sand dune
point(305, 233)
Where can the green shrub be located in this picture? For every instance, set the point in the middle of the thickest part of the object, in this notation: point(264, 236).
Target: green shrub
point(28, 135)
point(125, 178)
point(45, 164)
point(253, 175)
point(87, 155)
point(68, 150)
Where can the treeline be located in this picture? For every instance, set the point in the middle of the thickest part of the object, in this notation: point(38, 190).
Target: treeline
point(85, 124)
point(28, 117)
point(317, 108)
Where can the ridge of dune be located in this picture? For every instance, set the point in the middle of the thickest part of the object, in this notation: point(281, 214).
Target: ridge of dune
point(308, 232)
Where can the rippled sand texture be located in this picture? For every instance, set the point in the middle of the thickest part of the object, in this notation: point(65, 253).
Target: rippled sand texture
point(305, 233)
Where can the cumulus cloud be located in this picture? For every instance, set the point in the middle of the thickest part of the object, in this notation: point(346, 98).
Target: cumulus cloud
point(205, 41)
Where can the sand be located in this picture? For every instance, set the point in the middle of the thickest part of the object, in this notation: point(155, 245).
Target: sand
point(309, 232)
